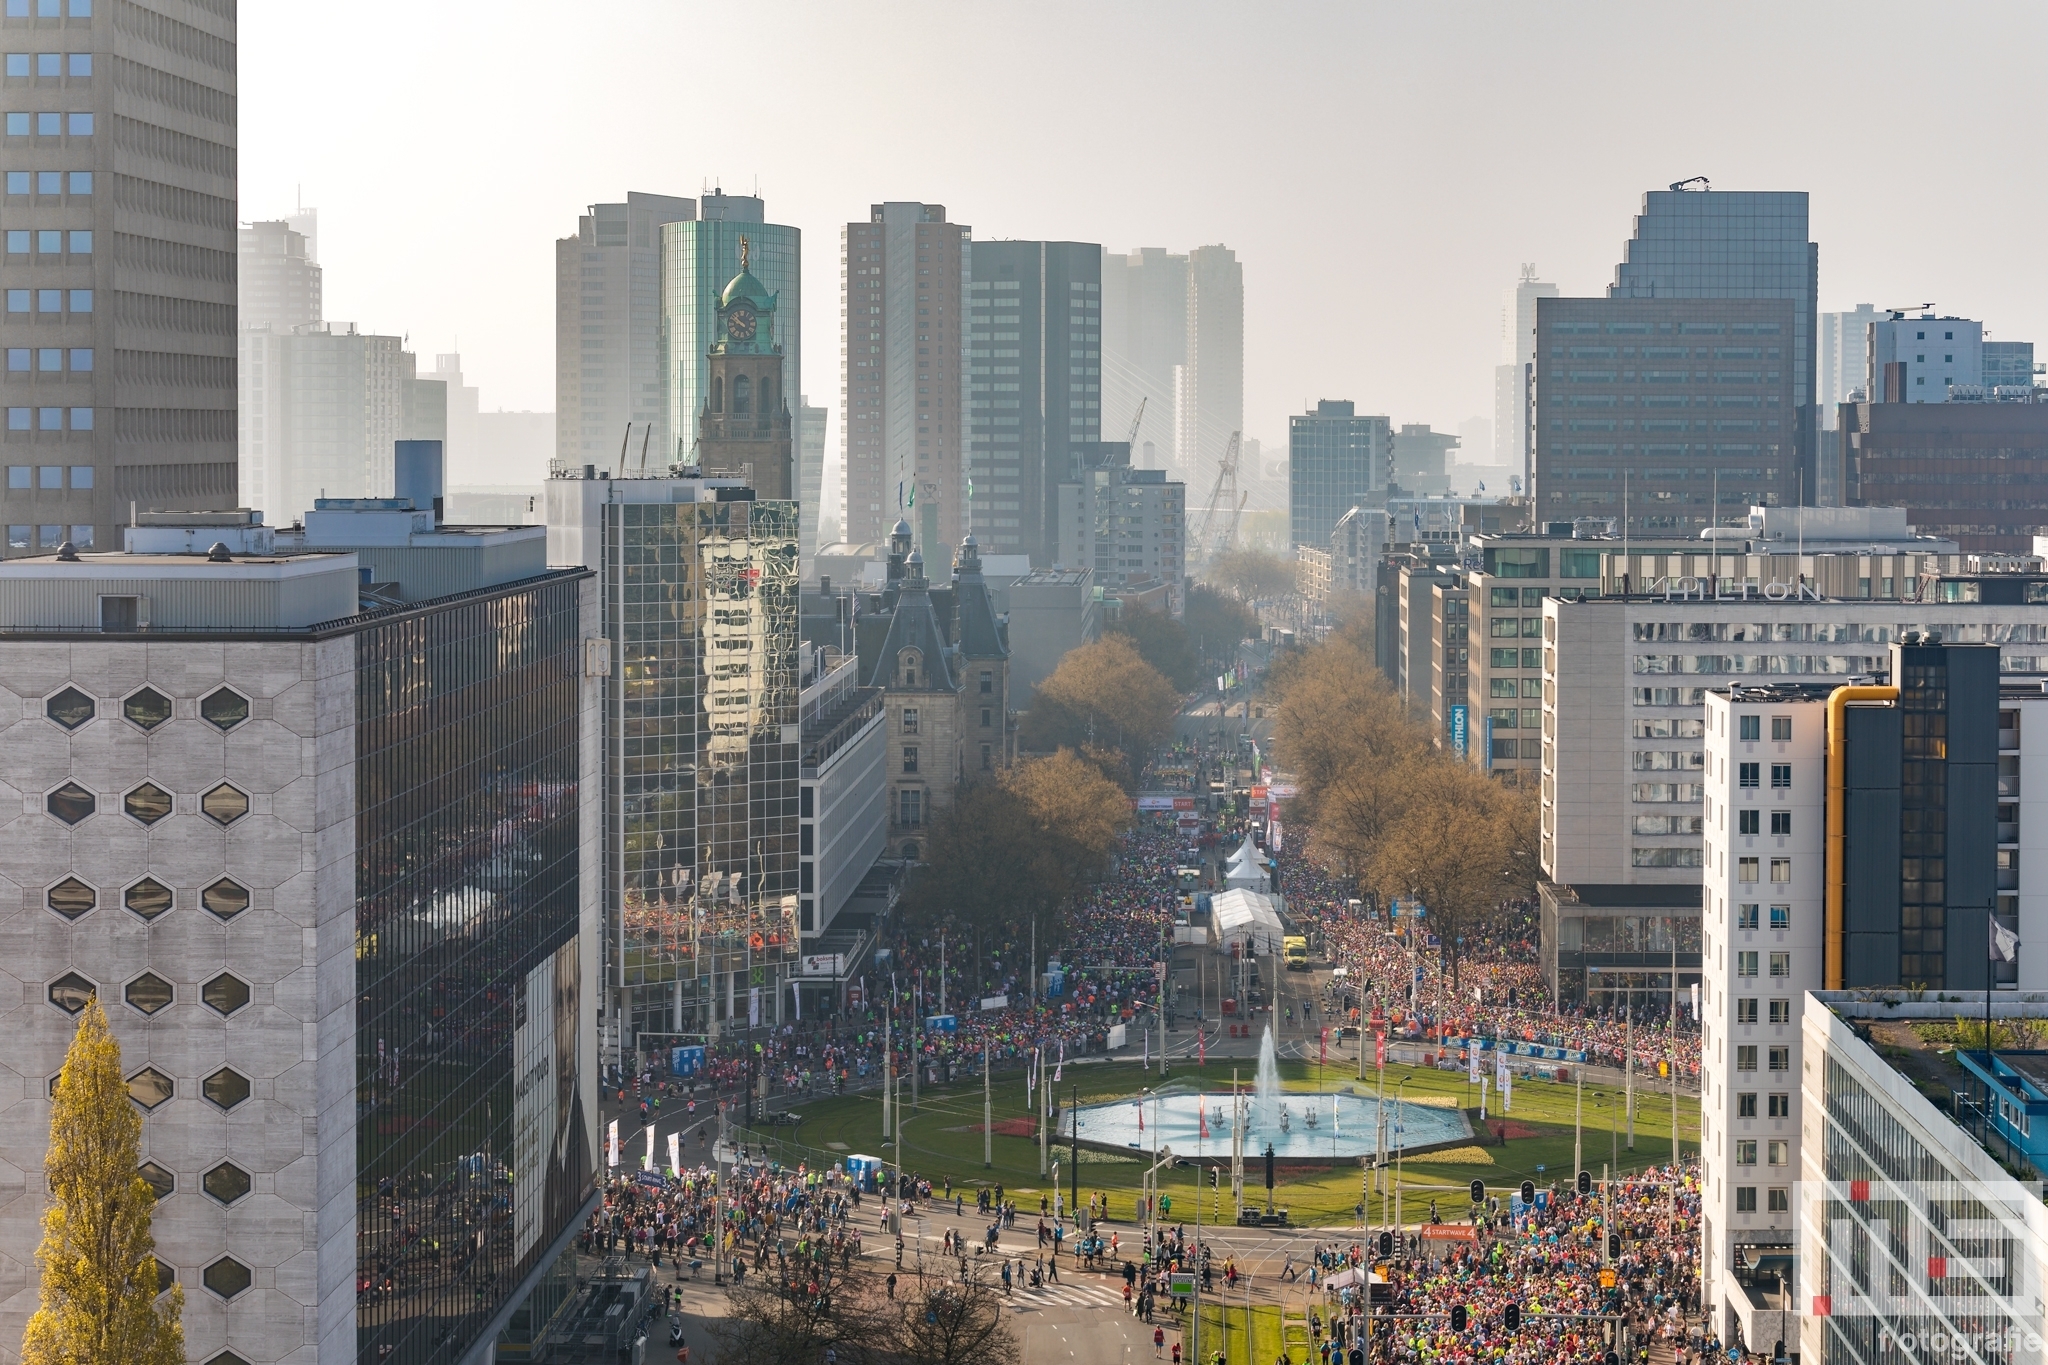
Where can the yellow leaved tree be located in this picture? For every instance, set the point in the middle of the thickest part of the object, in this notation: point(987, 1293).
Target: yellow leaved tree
point(98, 1259)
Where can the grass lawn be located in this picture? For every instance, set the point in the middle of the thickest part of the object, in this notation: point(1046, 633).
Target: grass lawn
point(943, 1139)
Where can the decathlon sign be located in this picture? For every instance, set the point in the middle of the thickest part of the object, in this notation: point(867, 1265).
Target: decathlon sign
point(1684, 588)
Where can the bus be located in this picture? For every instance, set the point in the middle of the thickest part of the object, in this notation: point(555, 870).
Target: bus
point(1295, 947)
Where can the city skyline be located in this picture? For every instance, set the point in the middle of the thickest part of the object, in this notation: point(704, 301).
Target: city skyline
point(1415, 340)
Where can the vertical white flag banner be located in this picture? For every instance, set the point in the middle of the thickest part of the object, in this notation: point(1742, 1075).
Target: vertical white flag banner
point(1507, 1092)
point(612, 1145)
point(753, 1007)
point(647, 1162)
point(675, 1153)
point(1472, 1060)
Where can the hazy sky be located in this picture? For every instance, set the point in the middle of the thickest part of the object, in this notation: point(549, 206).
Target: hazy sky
point(1381, 170)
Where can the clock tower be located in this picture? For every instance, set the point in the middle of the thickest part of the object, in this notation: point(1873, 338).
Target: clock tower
point(744, 429)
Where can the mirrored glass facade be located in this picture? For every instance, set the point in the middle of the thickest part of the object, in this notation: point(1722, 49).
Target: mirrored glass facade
point(474, 1143)
point(701, 598)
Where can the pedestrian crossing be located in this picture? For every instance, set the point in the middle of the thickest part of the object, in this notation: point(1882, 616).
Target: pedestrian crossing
point(1078, 1296)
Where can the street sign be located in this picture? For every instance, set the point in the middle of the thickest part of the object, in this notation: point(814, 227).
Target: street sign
point(1159, 970)
point(942, 1023)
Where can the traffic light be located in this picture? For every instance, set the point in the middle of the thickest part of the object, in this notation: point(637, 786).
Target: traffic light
point(1458, 1317)
point(1613, 1246)
point(1386, 1244)
point(1585, 1183)
point(1528, 1191)
point(1479, 1191)
point(1513, 1316)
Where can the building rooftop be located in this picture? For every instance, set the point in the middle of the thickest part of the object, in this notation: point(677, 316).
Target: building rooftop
point(1778, 692)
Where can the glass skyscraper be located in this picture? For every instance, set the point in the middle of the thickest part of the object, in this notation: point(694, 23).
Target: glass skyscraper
point(1336, 460)
point(699, 597)
point(697, 259)
point(1720, 244)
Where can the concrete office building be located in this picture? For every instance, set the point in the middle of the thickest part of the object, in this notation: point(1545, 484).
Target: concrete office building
point(1842, 366)
point(1051, 611)
point(1336, 460)
point(1356, 547)
point(843, 809)
point(1128, 525)
point(272, 865)
point(1918, 359)
point(904, 381)
point(1721, 245)
point(1665, 413)
point(1208, 404)
point(820, 514)
point(278, 291)
point(698, 257)
point(120, 281)
point(1964, 470)
point(611, 365)
point(1034, 336)
point(278, 279)
point(1511, 375)
point(1144, 344)
point(699, 600)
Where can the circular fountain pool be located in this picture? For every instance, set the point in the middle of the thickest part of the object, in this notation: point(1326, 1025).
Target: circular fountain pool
point(1298, 1125)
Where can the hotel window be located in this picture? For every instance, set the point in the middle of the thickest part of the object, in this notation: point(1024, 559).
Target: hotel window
point(1781, 775)
point(1781, 822)
point(1781, 917)
point(1781, 1059)
point(1745, 1197)
point(1745, 1009)
point(1781, 1199)
point(1745, 1106)
point(1747, 821)
point(1745, 916)
point(1781, 1106)
point(1778, 1152)
point(1781, 964)
point(1781, 1011)
point(1781, 728)
point(1747, 728)
point(1745, 964)
point(1745, 1057)
point(1745, 1152)
point(1746, 774)
point(1746, 869)
point(1781, 871)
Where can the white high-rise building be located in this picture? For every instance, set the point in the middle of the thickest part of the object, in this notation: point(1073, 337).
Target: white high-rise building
point(1930, 353)
point(1843, 346)
point(1173, 335)
point(1511, 376)
point(1762, 918)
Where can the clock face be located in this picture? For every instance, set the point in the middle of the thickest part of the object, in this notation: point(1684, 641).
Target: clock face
point(739, 323)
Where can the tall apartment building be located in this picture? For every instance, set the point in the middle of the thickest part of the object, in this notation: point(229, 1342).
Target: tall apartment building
point(1907, 775)
point(1209, 397)
point(819, 513)
point(904, 382)
point(278, 278)
point(698, 257)
point(466, 456)
point(119, 269)
point(1665, 413)
point(1034, 392)
point(318, 857)
point(1511, 376)
point(1128, 525)
point(1718, 244)
point(1842, 361)
point(701, 878)
point(1336, 460)
point(1144, 341)
point(611, 365)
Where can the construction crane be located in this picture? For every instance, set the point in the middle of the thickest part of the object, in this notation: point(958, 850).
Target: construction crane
point(1131, 436)
point(1218, 529)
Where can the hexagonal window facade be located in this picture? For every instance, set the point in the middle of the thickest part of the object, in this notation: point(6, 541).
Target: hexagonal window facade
point(147, 709)
point(166, 1275)
point(148, 803)
point(150, 993)
point(225, 898)
point(71, 898)
point(157, 1178)
point(226, 1277)
point(225, 993)
point(225, 708)
point(226, 1182)
point(150, 1087)
point(70, 708)
point(70, 991)
point(225, 804)
point(71, 803)
point(226, 1088)
point(227, 1358)
point(148, 898)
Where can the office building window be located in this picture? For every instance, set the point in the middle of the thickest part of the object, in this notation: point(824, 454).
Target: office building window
point(910, 809)
point(1781, 822)
point(1745, 1057)
point(1745, 1195)
point(910, 720)
point(1746, 822)
point(1745, 1152)
point(1746, 916)
point(1746, 774)
point(1745, 1105)
point(910, 758)
point(988, 760)
point(1746, 869)
point(1781, 1011)
point(1781, 1199)
point(1781, 964)
point(1781, 775)
point(81, 477)
point(1745, 1010)
point(1781, 728)
point(1781, 1059)
point(1778, 1152)
point(1745, 964)
point(1747, 727)
point(1781, 917)
point(1781, 870)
